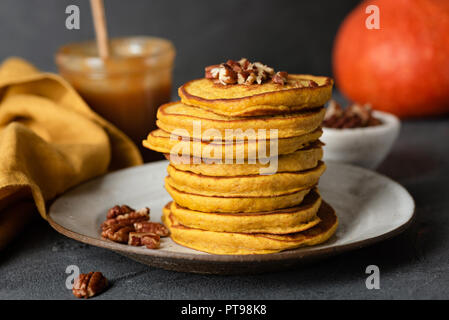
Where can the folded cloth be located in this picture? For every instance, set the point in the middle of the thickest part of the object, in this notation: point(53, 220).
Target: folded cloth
point(50, 140)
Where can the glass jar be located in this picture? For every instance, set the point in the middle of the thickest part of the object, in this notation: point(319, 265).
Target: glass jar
point(128, 86)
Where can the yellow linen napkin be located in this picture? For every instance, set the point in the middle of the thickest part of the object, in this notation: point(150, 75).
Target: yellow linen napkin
point(50, 140)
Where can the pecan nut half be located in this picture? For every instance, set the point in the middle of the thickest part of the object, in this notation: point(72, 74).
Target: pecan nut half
point(128, 218)
point(118, 210)
point(117, 232)
point(148, 239)
point(211, 72)
point(152, 227)
point(89, 285)
point(280, 77)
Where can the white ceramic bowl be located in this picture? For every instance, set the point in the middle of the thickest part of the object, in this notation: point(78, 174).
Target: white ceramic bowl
point(365, 147)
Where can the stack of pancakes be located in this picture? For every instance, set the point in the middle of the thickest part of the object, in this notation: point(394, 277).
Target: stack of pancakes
point(245, 194)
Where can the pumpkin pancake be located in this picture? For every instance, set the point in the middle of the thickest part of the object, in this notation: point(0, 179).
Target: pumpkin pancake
point(281, 221)
point(159, 140)
point(258, 243)
point(299, 160)
point(254, 100)
point(234, 204)
point(178, 115)
point(245, 185)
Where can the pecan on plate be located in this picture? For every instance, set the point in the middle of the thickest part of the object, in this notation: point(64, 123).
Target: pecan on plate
point(118, 210)
point(126, 225)
point(120, 222)
point(90, 284)
point(128, 218)
point(117, 232)
point(152, 227)
point(148, 239)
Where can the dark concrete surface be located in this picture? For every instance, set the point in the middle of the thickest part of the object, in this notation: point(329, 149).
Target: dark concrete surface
point(413, 265)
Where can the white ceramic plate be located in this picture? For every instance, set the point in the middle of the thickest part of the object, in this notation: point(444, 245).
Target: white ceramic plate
point(370, 207)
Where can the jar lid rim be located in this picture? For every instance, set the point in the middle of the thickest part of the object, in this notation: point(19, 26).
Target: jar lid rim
point(88, 49)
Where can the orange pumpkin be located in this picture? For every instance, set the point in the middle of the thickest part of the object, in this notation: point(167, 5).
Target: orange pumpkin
point(403, 67)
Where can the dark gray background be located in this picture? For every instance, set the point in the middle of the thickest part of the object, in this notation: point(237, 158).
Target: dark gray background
point(296, 36)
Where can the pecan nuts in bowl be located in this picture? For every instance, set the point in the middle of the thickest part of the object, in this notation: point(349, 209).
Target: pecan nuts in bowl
point(358, 135)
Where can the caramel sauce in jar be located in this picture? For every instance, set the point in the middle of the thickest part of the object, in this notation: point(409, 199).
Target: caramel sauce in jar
point(127, 87)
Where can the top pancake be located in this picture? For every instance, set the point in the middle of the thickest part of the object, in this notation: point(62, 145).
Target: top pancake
point(264, 99)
